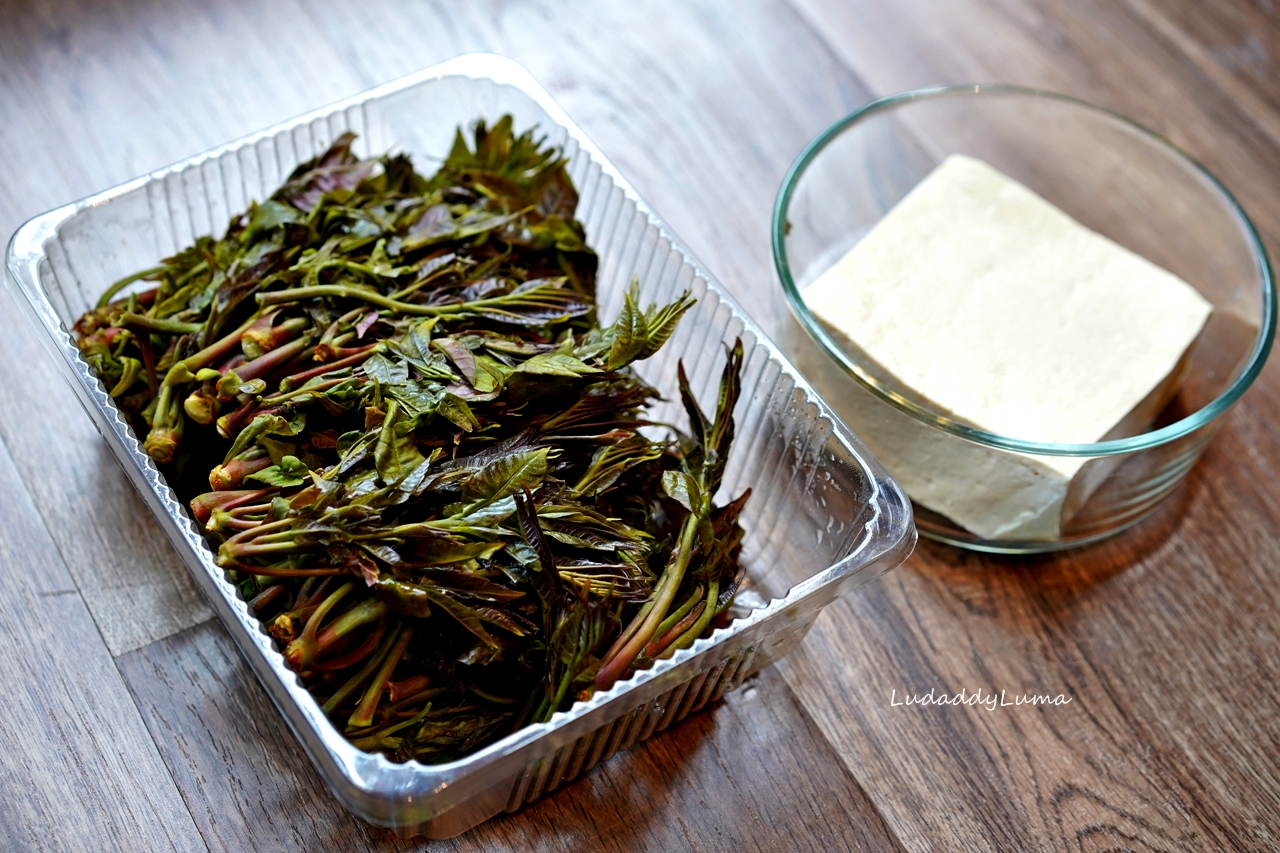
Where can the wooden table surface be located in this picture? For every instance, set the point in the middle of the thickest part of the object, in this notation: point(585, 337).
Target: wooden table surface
point(132, 721)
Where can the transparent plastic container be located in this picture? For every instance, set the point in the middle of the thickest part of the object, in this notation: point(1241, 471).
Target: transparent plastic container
point(824, 517)
point(1110, 174)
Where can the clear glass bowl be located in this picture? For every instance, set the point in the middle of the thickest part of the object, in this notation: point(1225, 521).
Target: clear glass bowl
point(1114, 176)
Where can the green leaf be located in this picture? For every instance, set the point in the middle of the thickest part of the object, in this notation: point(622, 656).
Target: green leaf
point(638, 335)
point(385, 553)
point(584, 528)
point(465, 583)
point(683, 489)
point(612, 461)
point(396, 455)
point(443, 551)
point(534, 303)
point(721, 434)
point(384, 371)
point(509, 165)
point(698, 423)
point(348, 440)
point(291, 426)
point(505, 618)
point(415, 600)
point(459, 355)
point(412, 484)
point(505, 476)
point(266, 217)
point(466, 616)
point(265, 425)
point(417, 398)
point(428, 399)
point(290, 472)
point(278, 449)
point(629, 330)
point(443, 228)
point(542, 575)
point(491, 374)
point(414, 346)
point(446, 550)
point(556, 364)
point(484, 521)
point(455, 410)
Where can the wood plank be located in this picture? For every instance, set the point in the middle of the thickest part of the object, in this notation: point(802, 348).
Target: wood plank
point(136, 588)
point(78, 771)
point(1237, 46)
point(1107, 53)
point(1163, 641)
point(750, 774)
point(111, 59)
point(1165, 638)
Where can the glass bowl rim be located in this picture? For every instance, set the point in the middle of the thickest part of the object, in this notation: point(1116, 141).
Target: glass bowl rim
point(1143, 441)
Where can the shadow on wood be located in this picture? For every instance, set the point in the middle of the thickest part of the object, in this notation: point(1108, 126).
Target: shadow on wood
point(750, 773)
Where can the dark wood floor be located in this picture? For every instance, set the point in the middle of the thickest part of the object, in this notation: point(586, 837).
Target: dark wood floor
point(132, 722)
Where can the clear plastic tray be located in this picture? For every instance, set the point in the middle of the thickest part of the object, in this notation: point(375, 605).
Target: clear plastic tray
point(824, 517)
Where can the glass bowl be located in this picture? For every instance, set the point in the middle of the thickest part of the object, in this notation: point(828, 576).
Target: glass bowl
point(1112, 175)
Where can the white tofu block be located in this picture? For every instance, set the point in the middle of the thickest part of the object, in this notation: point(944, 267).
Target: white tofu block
point(984, 302)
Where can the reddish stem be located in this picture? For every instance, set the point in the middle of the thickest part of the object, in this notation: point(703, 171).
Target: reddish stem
point(410, 687)
point(231, 363)
point(302, 651)
point(285, 332)
point(369, 610)
point(267, 597)
point(358, 356)
point(258, 334)
point(363, 715)
point(329, 340)
point(353, 657)
point(217, 350)
point(229, 425)
point(263, 365)
point(240, 510)
point(202, 506)
point(226, 521)
point(231, 474)
point(659, 645)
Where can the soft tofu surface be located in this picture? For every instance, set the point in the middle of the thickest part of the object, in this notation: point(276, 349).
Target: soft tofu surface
point(986, 302)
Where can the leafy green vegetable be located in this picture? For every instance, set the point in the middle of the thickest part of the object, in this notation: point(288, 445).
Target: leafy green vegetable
point(427, 462)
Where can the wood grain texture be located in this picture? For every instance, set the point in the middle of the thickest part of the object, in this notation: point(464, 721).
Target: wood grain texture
point(1132, 56)
point(135, 586)
point(78, 771)
point(133, 583)
point(1164, 639)
point(1171, 728)
point(749, 775)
